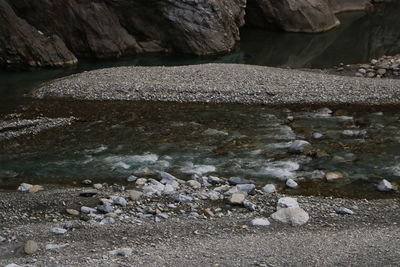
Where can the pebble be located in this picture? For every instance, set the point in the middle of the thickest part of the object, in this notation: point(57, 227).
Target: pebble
point(105, 208)
point(250, 205)
point(88, 193)
point(260, 222)
point(344, 211)
point(291, 183)
point(238, 180)
point(269, 188)
point(247, 188)
point(298, 146)
point(58, 231)
point(237, 198)
point(287, 202)
point(87, 182)
point(108, 220)
point(2, 239)
point(183, 198)
point(141, 181)
point(135, 195)
point(194, 184)
point(294, 216)
point(24, 187)
point(131, 179)
point(98, 186)
point(30, 247)
point(87, 209)
point(72, 212)
point(215, 180)
point(35, 189)
point(333, 176)
point(385, 186)
point(317, 135)
point(120, 201)
point(55, 246)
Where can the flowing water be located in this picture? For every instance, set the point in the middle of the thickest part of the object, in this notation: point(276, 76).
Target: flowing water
point(110, 140)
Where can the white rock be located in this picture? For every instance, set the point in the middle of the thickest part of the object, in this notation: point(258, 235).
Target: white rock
point(58, 231)
point(141, 181)
point(385, 185)
point(169, 189)
point(294, 216)
point(237, 198)
point(298, 146)
point(291, 183)
point(260, 222)
point(344, 211)
point(269, 188)
point(287, 202)
point(13, 265)
point(117, 200)
point(2, 239)
point(24, 187)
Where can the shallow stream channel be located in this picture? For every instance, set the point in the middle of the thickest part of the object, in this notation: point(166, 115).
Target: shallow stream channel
point(109, 141)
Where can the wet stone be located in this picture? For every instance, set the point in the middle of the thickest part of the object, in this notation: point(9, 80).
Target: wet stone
point(291, 183)
point(299, 146)
point(385, 186)
point(238, 180)
point(24, 187)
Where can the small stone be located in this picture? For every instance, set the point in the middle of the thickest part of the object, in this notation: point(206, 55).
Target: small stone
point(317, 135)
point(135, 195)
point(215, 180)
point(124, 252)
point(260, 222)
point(381, 71)
point(294, 216)
point(209, 213)
point(287, 202)
point(362, 71)
point(108, 220)
point(299, 146)
point(72, 212)
point(30, 247)
point(194, 184)
point(58, 231)
point(24, 187)
point(2, 239)
point(55, 246)
point(120, 201)
point(98, 186)
point(87, 210)
point(371, 74)
point(183, 198)
point(35, 188)
point(163, 215)
point(291, 183)
point(385, 186)
point(105, 208)
point(269, 188)
point(88, 193)
point(333, 176)
point(141, 181)
point(374, 61)
point(344, 211)
point(131, 179)
point(247, 188)
point(13, 265)
point(237, 198)
point(238, 180)
point(250, 205)
point(87, 182)
point(222, 188)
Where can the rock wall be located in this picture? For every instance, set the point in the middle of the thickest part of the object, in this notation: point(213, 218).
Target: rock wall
point(299, 15)
point(110, 29)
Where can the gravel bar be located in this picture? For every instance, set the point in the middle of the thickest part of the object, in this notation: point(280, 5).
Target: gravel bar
point(222, 83)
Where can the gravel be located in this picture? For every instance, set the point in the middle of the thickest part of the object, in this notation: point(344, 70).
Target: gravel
point(229, 83)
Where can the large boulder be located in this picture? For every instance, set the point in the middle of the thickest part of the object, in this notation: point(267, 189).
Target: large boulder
point(23, 45)
point(300, 15)
point(110, 29)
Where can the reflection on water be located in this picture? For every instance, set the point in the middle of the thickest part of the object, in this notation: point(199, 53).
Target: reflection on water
point(110, 141)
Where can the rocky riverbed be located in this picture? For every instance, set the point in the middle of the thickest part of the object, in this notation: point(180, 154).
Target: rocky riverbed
point(207, 220)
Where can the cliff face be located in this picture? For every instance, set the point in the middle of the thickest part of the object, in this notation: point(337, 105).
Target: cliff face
point(300, 15)
point(109, 29)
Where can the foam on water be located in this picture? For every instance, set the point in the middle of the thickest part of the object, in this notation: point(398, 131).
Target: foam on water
point(191, 168)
